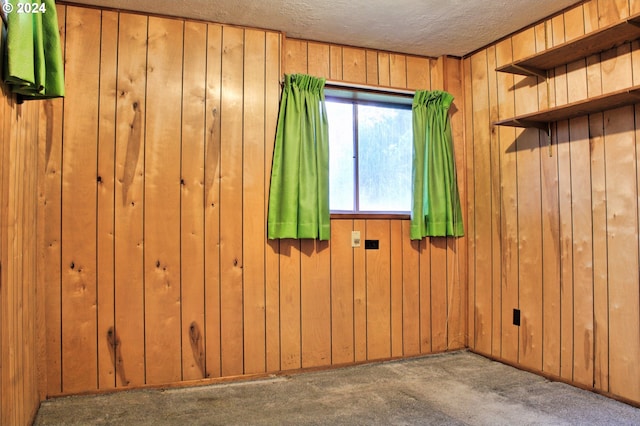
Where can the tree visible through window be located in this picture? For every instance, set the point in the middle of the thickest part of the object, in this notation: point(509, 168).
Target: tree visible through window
point(370, 154)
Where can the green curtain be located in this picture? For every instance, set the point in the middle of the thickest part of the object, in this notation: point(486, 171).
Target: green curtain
point(435, 209)
point(299, 193)
point(33, 66)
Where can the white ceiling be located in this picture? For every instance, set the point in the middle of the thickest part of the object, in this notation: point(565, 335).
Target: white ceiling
point(422, 27)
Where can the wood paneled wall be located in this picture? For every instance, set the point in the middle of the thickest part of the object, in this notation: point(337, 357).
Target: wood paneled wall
point(19, 320)
point(408, 298)
point(155, 179)
point(553, 224)
point(155, 255)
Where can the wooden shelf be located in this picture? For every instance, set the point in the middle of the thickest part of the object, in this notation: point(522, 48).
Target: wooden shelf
point(600, 103)
point(581, 47)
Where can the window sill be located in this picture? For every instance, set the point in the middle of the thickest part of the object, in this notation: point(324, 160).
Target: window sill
point(391, 216)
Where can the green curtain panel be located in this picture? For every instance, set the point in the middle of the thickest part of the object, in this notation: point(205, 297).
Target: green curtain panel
point(435, 209)
point(299, 193)
point(33, 66)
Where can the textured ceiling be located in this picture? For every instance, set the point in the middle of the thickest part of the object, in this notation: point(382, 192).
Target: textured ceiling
point(421, 27)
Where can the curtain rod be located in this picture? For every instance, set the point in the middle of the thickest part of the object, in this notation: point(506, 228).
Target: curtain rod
point(365, 87)
point(369, 88)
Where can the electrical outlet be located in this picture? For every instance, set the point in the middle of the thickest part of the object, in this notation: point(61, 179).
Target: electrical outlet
point(355, 238)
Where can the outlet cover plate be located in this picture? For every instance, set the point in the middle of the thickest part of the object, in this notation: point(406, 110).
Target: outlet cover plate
point(355, 238)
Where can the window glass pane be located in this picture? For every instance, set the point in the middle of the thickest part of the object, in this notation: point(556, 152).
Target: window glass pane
point(384, 163)
point(341, 156)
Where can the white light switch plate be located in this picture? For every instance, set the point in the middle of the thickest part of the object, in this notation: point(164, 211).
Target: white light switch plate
point(355, 238)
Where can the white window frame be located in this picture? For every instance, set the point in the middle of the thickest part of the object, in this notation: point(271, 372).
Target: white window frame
point(365, 95)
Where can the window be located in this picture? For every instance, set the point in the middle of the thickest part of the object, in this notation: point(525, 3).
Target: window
point(370, 154)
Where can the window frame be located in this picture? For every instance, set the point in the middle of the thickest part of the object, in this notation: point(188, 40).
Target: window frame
point(375, 97)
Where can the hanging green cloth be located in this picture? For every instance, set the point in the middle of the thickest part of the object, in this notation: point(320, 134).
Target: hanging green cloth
point(33, 66)
point(435, 209)
point(299, 193)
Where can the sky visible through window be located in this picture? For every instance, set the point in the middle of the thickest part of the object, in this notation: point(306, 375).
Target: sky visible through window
point(382, 169)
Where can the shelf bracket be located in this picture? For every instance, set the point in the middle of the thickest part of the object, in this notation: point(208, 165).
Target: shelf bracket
point(544, 126)
point(532, 71)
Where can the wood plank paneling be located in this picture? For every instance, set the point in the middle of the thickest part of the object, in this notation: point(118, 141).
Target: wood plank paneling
point(354, 65)
point(439, 295)
point(290, 318)
point(610, 11)
point(295, 57)
point(335, 59)
point(600, 279)
point(272, 272)
point(372, 68)
point(529, 212)
point(188, 286)
point(49, 216)
point(566, 251)
point(582, 252)
point(342, 337)
point(397, 70)
point(550, 256)
point(212, 202)
point(378, 290)
point(418, 73)
point(424, 292)
point(127, 338)
point(162, 292)
point(78, 224)
point(315, 303)
point(622, 250)
point(569, 208)
point(318, 60)
point(496, 231)
point(384, 71)
point(410, 289)
point(360, 296)
point(529, 247)
point(253, 203)
point(508, 212)
point(482, 208)
point(21, 351)
point(231, 202)
point(396, 293)
point(106, 198)
point(456, 247)
point(469, 212)
point(192, 199)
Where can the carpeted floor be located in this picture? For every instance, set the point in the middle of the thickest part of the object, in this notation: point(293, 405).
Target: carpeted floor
point(458, 388)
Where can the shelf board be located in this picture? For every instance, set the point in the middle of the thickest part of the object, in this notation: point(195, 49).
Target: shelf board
point(600, 103)
point(581, 47)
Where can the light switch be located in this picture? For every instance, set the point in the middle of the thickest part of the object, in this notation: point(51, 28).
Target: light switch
point(355, 238)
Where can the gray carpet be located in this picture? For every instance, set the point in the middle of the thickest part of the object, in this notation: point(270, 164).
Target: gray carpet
point(458, 388)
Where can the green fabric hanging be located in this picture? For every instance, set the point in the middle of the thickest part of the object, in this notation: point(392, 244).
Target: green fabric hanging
point(435, 209)
point(33, 66)
point(299, 193)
